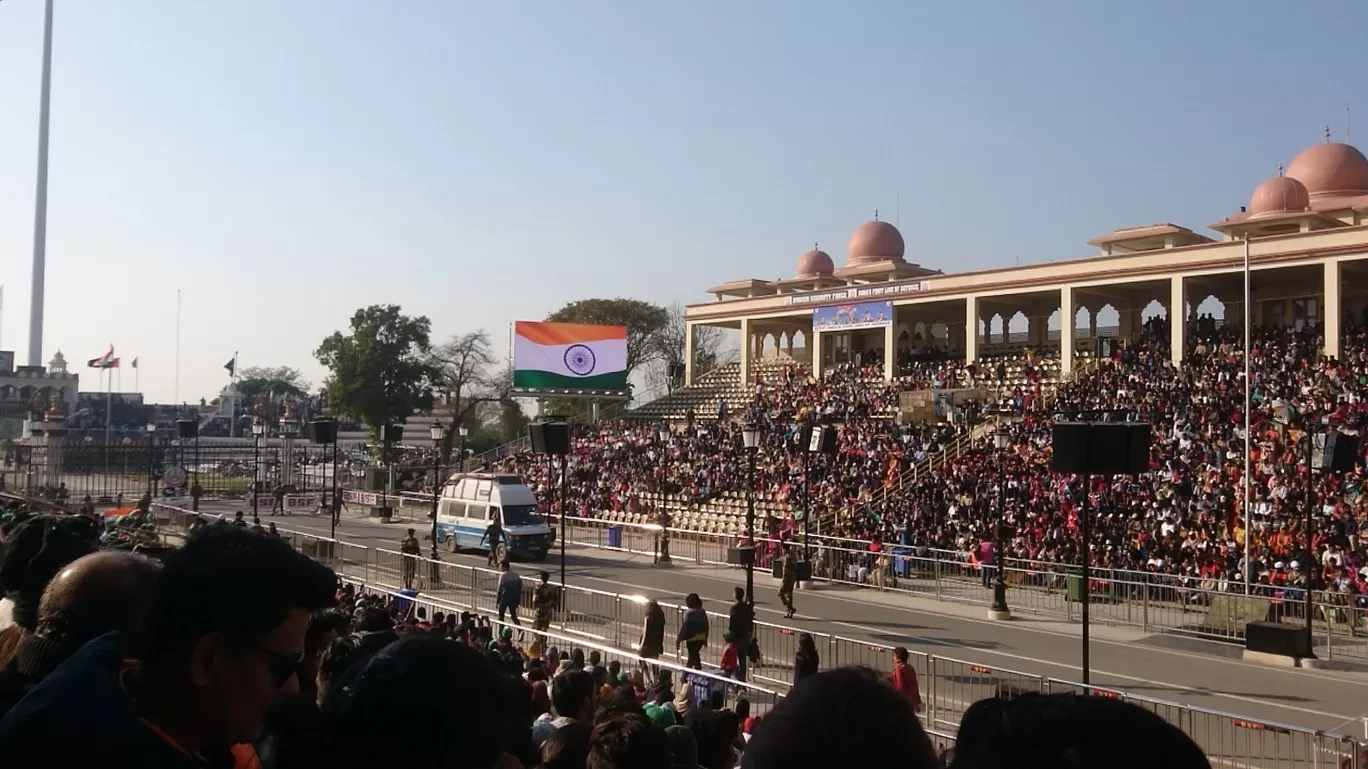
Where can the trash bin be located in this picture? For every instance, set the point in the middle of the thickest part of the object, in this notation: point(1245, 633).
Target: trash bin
point(615, 536)
point(1074, 586)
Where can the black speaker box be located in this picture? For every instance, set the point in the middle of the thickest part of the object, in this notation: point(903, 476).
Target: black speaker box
point(393, 434)
point(740, 556)
point(323, 431)
point(822, 440)
point(1069, 448)
point(1107, 448)
point(1278, 638)
point(187, 428)
point(550, 438)
point(1141, 435)
point(1334, 452)
point(1101, 448)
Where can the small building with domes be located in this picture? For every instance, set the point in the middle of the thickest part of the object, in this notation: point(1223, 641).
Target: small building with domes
point(26, 390)
point(1303, 235)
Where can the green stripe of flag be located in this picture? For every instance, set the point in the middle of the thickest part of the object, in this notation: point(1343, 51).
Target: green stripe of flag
point(546, 380)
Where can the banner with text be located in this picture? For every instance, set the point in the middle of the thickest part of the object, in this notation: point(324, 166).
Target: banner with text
point(849, 317)
point(292, 502)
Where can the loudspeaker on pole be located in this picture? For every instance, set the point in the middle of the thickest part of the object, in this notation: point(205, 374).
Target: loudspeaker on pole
point(550, 438)
point(323, 431)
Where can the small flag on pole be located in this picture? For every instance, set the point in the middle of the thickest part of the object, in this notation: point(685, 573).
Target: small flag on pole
point(104, 361)
point(134, 364)
point(232, 366)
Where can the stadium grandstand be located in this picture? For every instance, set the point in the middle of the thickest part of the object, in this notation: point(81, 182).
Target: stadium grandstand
point(937, 425)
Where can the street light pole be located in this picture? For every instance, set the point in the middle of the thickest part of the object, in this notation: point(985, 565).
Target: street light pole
point(1000, 610)
point(151, 449)
point(750, 437)
point(438, 435)
point(463, 431)
point(258, 430)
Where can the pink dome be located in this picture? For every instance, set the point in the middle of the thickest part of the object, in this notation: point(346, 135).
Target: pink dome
point(874, 241)
point(815, 264)
point(1281, 193)
point(1330, 169)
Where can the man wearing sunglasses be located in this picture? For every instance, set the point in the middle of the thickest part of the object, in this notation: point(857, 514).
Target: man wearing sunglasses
point(223, 637)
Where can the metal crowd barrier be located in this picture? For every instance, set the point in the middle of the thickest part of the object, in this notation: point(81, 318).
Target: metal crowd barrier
point(1152, 602)
point(612, 621)
point(762, 700)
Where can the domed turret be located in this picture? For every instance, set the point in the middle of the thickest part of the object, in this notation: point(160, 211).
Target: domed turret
point(874, 241)
point(1330, 169)
point(1279, 194)
point(815, 264)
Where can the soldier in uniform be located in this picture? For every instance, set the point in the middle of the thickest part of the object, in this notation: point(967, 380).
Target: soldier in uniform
point(788, 579)
point(411, 551)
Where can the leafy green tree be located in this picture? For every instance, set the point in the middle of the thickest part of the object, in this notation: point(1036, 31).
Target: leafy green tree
point(380, 372)
point(271, 381)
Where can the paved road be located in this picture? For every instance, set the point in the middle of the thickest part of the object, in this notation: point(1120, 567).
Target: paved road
point(1164, 667)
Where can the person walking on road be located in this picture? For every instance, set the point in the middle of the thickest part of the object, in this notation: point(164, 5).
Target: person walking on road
point(741, 626)
point(904, 679)
point(788, 579)
point(693, 631)
point(545, 601)
point(411, 552)
point(509, 595)
point(806, 661)
point(652, 643)
point(494, 534)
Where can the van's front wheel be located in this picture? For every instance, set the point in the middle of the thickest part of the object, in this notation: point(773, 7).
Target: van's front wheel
point(450, 544)
point(500, 553)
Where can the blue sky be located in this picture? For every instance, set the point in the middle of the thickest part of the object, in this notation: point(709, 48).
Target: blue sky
point(287, 162)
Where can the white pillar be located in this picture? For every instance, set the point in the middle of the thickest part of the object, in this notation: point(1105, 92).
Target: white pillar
point(747, 345)
point(971, 329)
point(1125, 322)
point(1331, 311)
point(1068, 321)
point(890, 351)
point(1177, 317)
point(814, 341)
point(688, 354)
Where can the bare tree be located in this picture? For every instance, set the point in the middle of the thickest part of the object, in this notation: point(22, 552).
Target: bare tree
point(464, 364)
point(670, 347)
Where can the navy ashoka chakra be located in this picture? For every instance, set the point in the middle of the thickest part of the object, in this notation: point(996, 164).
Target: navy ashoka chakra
point(579, 359)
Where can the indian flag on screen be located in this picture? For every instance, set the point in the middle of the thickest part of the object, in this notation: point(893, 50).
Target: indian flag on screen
point(569, 356)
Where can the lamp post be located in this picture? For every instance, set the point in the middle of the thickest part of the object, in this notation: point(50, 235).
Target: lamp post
point(258, 430)
point(289, 428)
point(463, 431)
point(439, 432)
point(1000, 611)
point(196, 490)
point(750, 438)
point(663, 516)
point(151, 450)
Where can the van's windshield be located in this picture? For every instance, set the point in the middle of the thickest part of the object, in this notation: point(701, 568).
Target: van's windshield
point(521, 515)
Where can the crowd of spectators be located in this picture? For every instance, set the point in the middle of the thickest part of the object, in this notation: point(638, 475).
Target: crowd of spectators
point(240, 652)
point(624, 466)
point(1185, 519)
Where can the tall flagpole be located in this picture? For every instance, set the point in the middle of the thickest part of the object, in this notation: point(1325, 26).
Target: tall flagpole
point(109, 400)
point(176, 398)
point(1248, 421)
point(35, 347)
